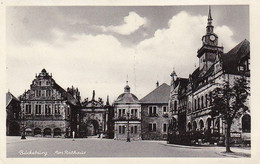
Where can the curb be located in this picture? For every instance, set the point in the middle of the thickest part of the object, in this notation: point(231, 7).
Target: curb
point(234, 155)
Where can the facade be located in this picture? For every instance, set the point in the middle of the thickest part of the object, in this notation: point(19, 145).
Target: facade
point(155, 119)
point(13, 112)
point(47, 109)
point(191, 97)
point(127, 116)
point(94, 117)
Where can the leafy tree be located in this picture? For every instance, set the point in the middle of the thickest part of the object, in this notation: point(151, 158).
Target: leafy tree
point(229, 103)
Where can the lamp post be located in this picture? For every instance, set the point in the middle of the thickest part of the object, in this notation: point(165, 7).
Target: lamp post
point(128, 137)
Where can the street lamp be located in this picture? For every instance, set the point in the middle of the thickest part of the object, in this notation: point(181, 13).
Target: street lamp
point(128, 137)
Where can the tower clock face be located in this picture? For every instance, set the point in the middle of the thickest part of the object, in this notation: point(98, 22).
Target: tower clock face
point(212, 37)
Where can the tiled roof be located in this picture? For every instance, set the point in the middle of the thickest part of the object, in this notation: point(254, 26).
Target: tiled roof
point(159, 95)
point(232, 58)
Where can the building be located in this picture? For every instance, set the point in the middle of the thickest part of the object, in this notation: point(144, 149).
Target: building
point(127, 116)
point(94, 117)
point(190, 104)
point(47, 109)
point(13, 112)
point(155, 119)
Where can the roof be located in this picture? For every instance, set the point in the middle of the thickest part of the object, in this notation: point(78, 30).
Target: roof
point(160, 94)
point(9, 98)
point(233, 57)
point(67, 95)
point(126, 98)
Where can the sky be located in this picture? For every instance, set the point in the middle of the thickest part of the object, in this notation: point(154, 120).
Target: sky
point(100, 48)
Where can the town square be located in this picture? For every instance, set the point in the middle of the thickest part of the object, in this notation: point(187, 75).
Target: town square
point(164, 81)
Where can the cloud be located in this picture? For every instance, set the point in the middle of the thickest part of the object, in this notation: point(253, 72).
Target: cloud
point(131, 23)
point(225, 37)
point(102, 63)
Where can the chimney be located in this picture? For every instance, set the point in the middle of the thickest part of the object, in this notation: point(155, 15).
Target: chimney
point(157, 84)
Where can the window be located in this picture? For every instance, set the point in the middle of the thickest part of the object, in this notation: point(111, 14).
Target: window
point(164, 109)
point(135, 129)
point(152, 127)
point(195, 104)
point(150, 110)
point(38, 109)
point(198, 103)
point(132, 129)
point(48, 92)
point(246, 124)
point(40, 83)
point(57, 109)
point(38, 93)
point(121, 129)
point(119, 113)
point(153, 111)
point(202, 102)
point(206, 100)
point(164, 128)
point(47, 109)
point(28, 109)
point(134, 112)
point(175, 105)
point(68, 111)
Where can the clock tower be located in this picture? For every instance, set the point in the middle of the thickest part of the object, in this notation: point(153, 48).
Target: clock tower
point(207, 53)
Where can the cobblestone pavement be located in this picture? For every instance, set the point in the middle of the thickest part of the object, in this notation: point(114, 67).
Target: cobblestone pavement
point(94, 147)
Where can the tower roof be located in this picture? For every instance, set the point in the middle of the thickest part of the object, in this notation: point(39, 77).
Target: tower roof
point(209, 14)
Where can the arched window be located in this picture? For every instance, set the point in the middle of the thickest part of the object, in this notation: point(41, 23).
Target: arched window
point(37, 131)
point(208, 124)
point(189, 126)
point(57, 132)
point(47, 132)
point(201, 125)
point(246, 124)
point(194, 125)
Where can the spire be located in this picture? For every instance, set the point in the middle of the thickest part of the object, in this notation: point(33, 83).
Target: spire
point(209, 15)
point(209, 25)
point(93, 96)
point(107, 100)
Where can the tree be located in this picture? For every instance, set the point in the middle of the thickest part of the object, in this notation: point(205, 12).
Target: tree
point(229, 103)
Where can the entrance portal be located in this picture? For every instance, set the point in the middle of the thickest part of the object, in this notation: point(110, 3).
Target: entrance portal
point(92, 127)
